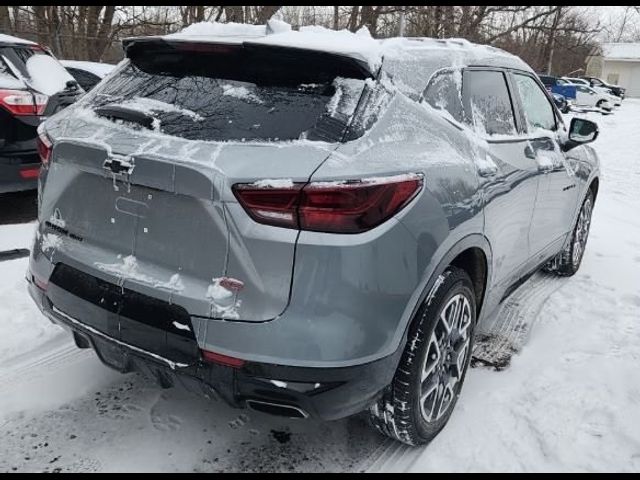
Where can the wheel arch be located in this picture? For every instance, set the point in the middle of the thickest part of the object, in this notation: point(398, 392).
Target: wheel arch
point(472, 254)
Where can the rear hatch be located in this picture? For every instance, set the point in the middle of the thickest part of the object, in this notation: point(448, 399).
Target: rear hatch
point(138, 192)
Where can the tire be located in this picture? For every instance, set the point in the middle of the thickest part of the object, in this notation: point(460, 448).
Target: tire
point(567, 263)
point(400, 413)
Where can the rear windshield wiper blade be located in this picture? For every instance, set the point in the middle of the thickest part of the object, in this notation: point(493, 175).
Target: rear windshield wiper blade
point(117, 112)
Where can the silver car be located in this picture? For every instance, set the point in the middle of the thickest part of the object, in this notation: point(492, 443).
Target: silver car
point(305, 232)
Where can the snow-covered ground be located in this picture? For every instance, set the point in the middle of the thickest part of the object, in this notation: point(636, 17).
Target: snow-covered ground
point(569, 401)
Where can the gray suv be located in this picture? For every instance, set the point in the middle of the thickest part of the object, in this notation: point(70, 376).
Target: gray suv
point(303, 232)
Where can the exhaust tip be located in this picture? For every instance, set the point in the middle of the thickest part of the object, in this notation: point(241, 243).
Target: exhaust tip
point(277, 409)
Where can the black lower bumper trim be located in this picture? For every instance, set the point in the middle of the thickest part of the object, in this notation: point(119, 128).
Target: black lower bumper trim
point(325, 393)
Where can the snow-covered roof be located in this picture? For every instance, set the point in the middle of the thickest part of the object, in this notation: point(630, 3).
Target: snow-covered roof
point(215, 29)
point(11, 39)
point(99, 69)
point(359, 45)
point(621, 51)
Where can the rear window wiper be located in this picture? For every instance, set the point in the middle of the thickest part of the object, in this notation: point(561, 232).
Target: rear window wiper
point(116, 112)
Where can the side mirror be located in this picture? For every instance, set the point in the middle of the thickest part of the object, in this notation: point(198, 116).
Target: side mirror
point(581, 132)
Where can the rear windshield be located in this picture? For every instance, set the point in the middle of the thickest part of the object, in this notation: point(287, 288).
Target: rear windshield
point(229, 104)
point(37, 67)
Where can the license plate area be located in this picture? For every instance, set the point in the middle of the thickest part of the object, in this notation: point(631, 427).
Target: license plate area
point(137, 320)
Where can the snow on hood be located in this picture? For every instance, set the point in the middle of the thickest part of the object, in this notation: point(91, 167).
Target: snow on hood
point(47, 75)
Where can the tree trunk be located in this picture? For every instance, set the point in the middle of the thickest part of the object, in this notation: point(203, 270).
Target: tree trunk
point(265, 13)
point(42, 29)
point(104, 33)
point(5, 19)
point(234, 13)
point(552, 39)
point(353, 18)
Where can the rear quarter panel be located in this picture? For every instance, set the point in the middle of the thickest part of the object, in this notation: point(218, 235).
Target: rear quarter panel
point(386, 275)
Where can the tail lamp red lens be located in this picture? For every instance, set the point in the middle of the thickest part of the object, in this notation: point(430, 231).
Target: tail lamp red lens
point(30, 173)
point(332, 207)
point(45, 147)
point(220, 359)
point(21, 102)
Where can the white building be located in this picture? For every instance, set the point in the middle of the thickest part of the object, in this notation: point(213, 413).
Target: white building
point(618, 64)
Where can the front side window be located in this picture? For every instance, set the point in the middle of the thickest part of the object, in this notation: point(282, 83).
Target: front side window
point(537, 108)
point(443, 93)
point(487, 103)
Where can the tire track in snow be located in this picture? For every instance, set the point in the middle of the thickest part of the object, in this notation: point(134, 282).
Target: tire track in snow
point(57, 352)
point(497, 342)
point(393, 456)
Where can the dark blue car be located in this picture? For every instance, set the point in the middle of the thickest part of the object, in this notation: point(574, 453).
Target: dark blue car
point(559, 86)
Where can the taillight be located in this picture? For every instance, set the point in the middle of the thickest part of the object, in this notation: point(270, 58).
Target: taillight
point(220, 359)
point(45, 146)
point(29, 173)
point(332, 207)
point(20, 102)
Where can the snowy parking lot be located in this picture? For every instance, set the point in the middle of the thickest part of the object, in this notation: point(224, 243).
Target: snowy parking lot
point(568, 401)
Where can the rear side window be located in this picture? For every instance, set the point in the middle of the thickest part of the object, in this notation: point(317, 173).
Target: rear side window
point(41, 70)
point(7, 77)
point(547, 81)
point(537, 109)
point(87, 80)
point(443, 93)
point(219, 100)
point(488, 107)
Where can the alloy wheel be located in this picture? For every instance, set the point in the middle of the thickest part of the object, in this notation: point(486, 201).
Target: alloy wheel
point(447, 355)
point(582, 232)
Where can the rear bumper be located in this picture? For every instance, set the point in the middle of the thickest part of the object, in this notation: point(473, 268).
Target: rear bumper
point(17, 176)
point(323, 393)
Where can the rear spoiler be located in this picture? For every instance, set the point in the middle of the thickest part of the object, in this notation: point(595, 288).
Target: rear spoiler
point(242, 58)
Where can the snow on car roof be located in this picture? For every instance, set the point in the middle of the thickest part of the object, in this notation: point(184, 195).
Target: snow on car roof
point(11, 39)
point(203, 30)
point(359, 45)
point(99, 69)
